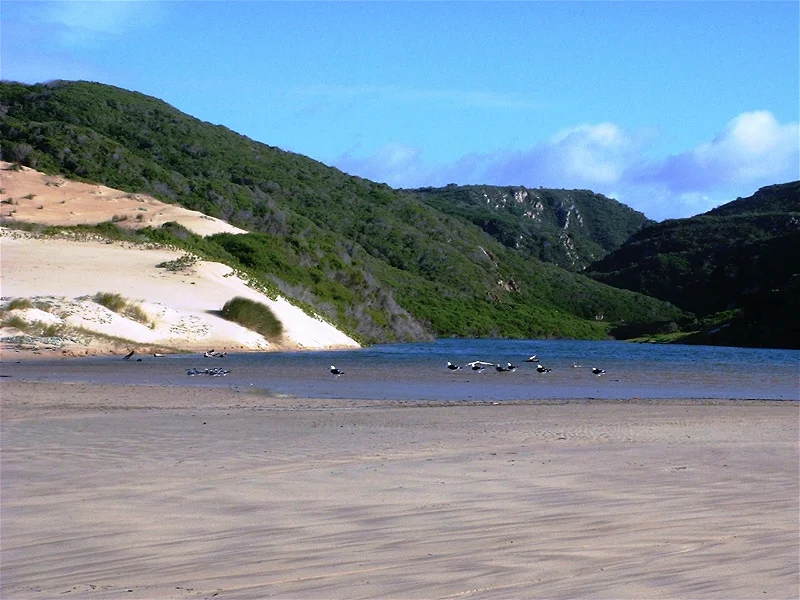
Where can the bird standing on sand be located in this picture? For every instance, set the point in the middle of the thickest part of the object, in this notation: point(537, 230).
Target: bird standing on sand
point(597, 371)
point(128, 355)
point(533, 358)
point(542, 369)
point(336, 371)
point(501, 369)
point(512, 367)
point(452, 367)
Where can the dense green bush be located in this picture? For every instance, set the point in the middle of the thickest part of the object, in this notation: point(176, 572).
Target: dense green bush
point(253, 315)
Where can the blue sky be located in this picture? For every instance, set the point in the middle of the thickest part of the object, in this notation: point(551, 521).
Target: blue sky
point(670, 107)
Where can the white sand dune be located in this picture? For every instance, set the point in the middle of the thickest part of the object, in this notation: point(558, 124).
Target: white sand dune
point(181, 306)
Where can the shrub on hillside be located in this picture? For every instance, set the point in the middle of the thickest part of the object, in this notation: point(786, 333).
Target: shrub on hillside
point(116, 303)
point(19, 303)
point(253, 315)
point(113, 302)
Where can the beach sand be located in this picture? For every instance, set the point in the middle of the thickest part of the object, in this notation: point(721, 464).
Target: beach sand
point(137, 492)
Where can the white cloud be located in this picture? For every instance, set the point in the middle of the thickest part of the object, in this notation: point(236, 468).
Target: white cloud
point(752, 147)
point(82, 23)
point(398, 165)
point(751, 151)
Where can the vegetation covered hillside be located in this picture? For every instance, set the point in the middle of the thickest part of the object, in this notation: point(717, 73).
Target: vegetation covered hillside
point(570, 228)
point(381, 263)
point(742, 257)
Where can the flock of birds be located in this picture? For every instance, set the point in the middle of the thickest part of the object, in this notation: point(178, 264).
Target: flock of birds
point(479, 365)
point(476, 365)
point(212, 371)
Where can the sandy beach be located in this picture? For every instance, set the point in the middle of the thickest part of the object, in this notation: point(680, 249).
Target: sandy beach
point(157, 492)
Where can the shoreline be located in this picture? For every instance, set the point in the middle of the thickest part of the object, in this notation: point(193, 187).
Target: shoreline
point(162, 397)
point(142, 492)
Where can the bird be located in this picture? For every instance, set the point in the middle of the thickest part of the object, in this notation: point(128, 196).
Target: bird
point(512, 367)
point(576, 366)
point(501, 369)
point(128, 355)
point(336, 371)
point(158, 354)
point(478, 365)
point(533, 358)
point(452, 367)
point(542, 369)
point(597, 371)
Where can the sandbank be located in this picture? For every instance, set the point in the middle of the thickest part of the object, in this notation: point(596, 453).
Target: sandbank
point(155, 492)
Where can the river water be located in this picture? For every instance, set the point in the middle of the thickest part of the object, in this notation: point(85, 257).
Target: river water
point(418, 371)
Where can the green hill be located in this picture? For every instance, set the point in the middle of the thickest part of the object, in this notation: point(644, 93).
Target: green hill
point(383, 264)
point(742, 258)
point(569, 228)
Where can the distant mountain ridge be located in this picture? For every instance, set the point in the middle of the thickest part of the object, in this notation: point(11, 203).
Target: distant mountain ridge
point(743, 256)
point(779, 198)
point(569, 228)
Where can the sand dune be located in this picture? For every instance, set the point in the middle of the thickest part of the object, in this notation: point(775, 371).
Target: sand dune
point(33, 197)
point(65, 274)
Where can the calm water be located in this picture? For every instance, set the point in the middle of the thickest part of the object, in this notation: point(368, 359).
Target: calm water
point(418, 371)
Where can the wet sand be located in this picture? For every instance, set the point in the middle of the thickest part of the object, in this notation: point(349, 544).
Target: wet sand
point(137, 492)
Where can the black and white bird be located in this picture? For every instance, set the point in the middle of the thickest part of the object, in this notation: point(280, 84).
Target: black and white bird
point(542, 369)
point(533, 358)
point(512, 367)
point(597, 371)
point(501, 368)
point(478, 365)
point(335, 371)
point(452, 367)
